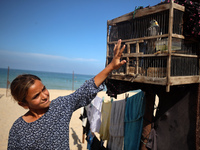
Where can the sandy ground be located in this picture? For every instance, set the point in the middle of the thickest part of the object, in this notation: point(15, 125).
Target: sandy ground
point(10, 111)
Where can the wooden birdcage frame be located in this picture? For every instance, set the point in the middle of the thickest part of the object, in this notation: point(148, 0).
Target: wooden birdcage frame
point(135, 74)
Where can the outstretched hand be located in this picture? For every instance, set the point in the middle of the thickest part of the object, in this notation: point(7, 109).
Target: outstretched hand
point(116, 63)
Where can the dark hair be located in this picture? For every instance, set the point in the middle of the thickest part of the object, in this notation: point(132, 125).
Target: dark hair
point(20, 85)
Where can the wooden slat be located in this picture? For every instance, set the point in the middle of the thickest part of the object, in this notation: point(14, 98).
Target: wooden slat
point(179, 80)
point(141, 54)
point(184, 80)
point(139, 39)
point(178, 36)
point(140, 79)
point(133, 41)
point(151, 10)
point(139, 13)
point(144, 12)
point(184, 55)
point(179, 7)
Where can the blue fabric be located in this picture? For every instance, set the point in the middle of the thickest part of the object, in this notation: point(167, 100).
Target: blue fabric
point(134, 112)
point(89, 139)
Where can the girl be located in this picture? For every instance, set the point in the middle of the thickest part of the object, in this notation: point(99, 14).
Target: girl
point(46, 125)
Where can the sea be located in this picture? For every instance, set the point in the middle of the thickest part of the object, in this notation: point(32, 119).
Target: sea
point(52, 80)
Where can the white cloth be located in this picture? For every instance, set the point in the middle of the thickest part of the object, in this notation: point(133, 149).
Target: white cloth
point(94, 114)
point(84, 120)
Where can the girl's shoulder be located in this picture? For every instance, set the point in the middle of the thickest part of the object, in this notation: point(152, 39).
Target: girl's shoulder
point(18, 124)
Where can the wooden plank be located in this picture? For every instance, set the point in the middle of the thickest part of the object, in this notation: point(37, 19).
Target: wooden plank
point(178, 36)
point(179, 7)
point(151, 10)
point(144, 12)
point(140, 39)
point(179, 80)
point(139, 79)
point(184, 55)
point(141, 54)
point(133, 41)
point(139, 13)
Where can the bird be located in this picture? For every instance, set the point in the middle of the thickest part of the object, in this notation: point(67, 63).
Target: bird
point(152, 30)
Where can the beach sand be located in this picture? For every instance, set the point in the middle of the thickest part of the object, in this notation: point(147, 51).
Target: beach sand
point(10, 111)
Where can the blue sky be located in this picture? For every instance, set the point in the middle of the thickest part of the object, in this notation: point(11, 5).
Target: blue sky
point(58, 35)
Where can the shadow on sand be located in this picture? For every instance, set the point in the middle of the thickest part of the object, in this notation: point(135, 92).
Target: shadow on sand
point(1, 95)
point(77, 141)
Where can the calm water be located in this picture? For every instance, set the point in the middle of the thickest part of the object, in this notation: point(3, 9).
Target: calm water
point(51, 80)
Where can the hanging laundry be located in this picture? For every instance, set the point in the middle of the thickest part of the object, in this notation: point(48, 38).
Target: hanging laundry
point(105, 117)
point(96, 144)
point(93, 142)
point(152, 144)
point(116, 140)
point(134, 112)
point(85, 122)
point(89, 138)
point(94, 114)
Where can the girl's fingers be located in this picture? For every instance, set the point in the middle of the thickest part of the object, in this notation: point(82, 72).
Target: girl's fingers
point(119, 44)
point(117, 48)
point(121, 51)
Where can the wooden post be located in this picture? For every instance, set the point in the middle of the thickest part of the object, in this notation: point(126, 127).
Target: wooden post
point(8, 82)
point(170, 30)
point(198, 115)
point(148, 118)
point(199, 58)
point(137, 59)
point(127, 59)
point(107, 52)
point(73, 81)
point(198, 121)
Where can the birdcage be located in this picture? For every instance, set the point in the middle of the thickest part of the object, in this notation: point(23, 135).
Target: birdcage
point(157, 49)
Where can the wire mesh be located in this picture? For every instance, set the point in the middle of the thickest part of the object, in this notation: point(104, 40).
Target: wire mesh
point(154, 65)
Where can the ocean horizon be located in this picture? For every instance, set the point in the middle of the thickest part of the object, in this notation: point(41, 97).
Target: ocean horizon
point(52, 80)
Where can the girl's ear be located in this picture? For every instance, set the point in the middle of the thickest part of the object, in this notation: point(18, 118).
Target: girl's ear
point(24, 105)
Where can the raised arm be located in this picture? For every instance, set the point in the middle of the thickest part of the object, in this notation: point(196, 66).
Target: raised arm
point(115, 64)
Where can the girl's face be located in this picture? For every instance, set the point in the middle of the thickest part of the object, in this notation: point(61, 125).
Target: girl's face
point(38, 96)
